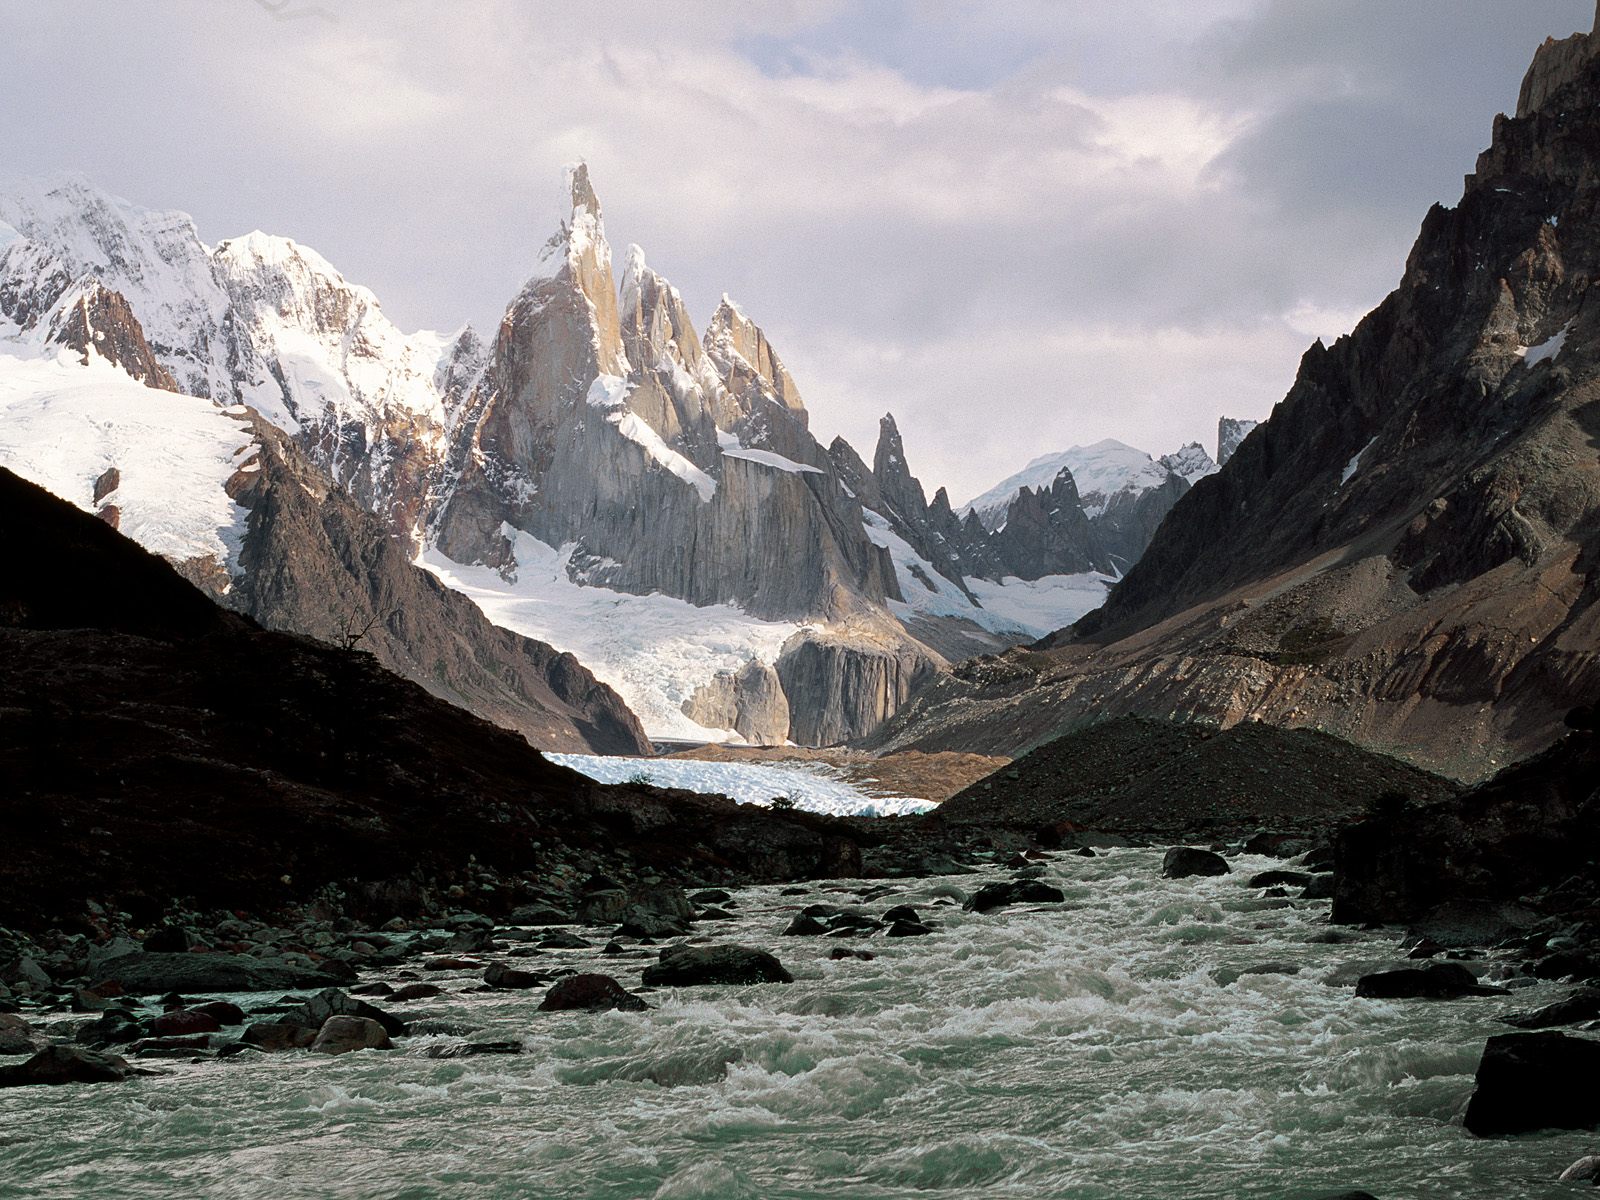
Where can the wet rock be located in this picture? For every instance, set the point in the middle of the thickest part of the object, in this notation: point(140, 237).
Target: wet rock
point(1181, 862)
point(450, 964)
point(373, 989)
point(416, 991)
point(563, 940)
point(1017, 891)
point(145, 974)
point(470, 940)
point(711, 896)
point(275, 1036)
point(842, 952)
point(656, 912)
point(539, 914)
point(901, 912)
point(499, 975)
point(1566, 964)
point(1321, 887)
point(184, 1021)
point(688, 966)
point(1530, 1081)
point(1343, 1196)
point(472, 1049)
point(805, 926)
point(602, 907)
point(66, 1064)
point(1085, 852)
point(1279, 878)
point(1582, 1005)
point(341, 1035)
point(908, 929)
point(25, 976)
point(116, 1028)
point(333, 1002)
point(1276, 845)
point(1585, 1170)
point(590, 993)
point(16, 1035)
point(1228, 976)
point(1439, 981)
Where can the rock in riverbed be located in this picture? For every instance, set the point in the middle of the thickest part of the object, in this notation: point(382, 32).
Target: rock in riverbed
point(341, 1035)
point(688, 966)
point(1529, 1081)
point(66, 1064)
point(1017, 891)
point(1180, 862)
point(590, 993)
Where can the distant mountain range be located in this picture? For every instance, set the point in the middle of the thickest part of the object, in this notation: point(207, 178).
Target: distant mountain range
point(596, 477)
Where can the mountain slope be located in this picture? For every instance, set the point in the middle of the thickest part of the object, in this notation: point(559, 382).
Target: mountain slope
point(233, 502)
point(158, 748)
point(1406, 552)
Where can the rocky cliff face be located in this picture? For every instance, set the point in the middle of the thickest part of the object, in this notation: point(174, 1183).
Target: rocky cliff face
point(1231, 432)
point(313, 561)
point(295, 551)
point(1405, 552)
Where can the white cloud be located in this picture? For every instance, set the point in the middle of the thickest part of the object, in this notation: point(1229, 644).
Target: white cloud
point(1017, 234)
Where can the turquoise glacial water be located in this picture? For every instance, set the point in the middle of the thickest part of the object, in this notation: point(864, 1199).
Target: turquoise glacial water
point(1085, 1050)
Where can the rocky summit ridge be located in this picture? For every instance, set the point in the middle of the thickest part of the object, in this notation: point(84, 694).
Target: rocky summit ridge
point(596, 445)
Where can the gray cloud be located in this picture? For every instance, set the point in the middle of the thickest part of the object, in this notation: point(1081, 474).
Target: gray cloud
point(1074, 223)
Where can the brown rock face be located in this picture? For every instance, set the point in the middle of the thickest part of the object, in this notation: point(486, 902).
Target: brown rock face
point(317, 563)
point(1405, 554)
point(95, 319)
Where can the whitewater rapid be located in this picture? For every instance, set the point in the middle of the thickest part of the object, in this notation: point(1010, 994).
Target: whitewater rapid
point(1084, 1050)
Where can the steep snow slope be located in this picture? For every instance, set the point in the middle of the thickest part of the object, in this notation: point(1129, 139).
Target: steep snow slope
point(64, 426)
point(654, 650)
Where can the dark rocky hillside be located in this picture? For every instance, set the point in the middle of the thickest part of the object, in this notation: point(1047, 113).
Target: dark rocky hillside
point(155, 748)
point(1143, 776)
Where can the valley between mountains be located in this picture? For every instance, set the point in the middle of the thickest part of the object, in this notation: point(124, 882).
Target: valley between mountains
point(1199, 820)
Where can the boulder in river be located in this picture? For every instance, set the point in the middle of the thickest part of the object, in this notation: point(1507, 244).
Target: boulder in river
point(590, 993)
point(341, 1035)
point(1014, 891)
point(1531, 1081)
point(1437, 981)
point(1585, 1170)
point(147, 973)
point(688, 966)
point(498, 975)
point(66, 1064)
point(1582, 1005)
point(539, 914)
point(1180, 862)
point(331, 1002)
point(275, 1036)
point(183, 1022)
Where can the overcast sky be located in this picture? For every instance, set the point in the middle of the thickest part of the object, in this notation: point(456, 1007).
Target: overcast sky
point(1016, 224)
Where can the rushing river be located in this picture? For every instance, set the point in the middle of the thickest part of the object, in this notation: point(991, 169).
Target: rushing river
point(1084, 1050)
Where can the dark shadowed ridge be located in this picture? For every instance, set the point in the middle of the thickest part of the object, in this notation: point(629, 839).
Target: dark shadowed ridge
point(154, 748)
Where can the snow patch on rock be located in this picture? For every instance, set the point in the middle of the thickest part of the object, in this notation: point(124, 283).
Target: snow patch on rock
point(655, 650)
